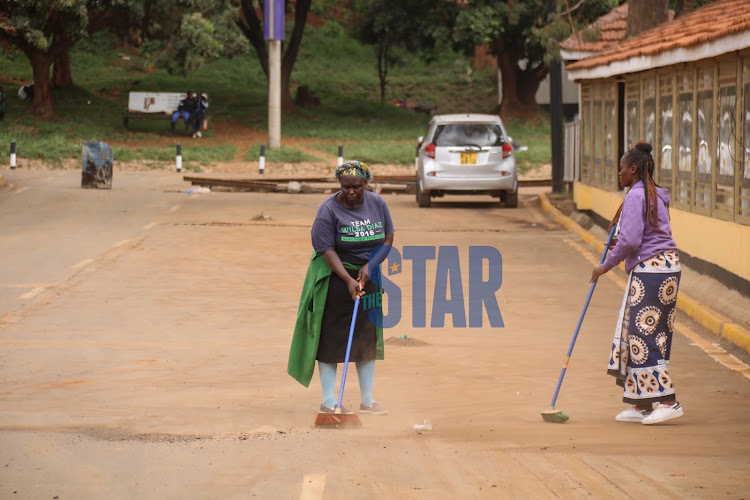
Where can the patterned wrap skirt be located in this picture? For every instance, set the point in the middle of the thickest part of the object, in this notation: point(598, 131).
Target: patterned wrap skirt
point(639, 358)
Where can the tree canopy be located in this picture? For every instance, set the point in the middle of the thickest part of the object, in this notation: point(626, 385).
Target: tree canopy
point(45, 30)
point(522, 36)
point(180, 35)
point(422, 26)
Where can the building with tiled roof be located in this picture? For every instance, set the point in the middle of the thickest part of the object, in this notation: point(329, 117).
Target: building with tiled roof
point(724, 22)
point(608, 30)
point(684, 87)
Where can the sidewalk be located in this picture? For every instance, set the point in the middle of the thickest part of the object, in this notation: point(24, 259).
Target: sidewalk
point(712, 320)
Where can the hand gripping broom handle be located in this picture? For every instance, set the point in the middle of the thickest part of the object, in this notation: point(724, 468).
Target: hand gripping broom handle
point(348, 351)
point(580, 320)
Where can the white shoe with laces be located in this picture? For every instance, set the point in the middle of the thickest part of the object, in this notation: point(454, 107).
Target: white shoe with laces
point(663, 413)
point(632, 414)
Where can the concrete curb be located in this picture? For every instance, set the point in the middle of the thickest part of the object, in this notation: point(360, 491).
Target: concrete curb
point(713, 321)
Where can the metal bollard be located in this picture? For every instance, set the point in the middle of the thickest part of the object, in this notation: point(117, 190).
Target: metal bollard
point(341, 155)
point(12, 155)
point(178, 158)
point(262, 161)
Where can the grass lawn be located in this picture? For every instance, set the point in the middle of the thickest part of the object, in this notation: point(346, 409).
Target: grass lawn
point(338, 70)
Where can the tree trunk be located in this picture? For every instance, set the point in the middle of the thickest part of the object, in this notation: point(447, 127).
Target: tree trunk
point(251, 26)
point(61, 74)
point(61, 43)
point(147, 4)
point(645, 14)
point(301, 8)
point(519, 86)
point(382, 68)
point(43, 106)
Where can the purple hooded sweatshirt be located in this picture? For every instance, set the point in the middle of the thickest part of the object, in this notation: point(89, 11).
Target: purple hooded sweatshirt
point(638, 240)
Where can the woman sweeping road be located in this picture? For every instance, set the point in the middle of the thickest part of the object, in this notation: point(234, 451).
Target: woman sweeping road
point(643, 336)
point(348, 226)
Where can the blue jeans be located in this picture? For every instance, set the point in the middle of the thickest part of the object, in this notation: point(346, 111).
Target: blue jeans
point(365, 373)
point(180, 114)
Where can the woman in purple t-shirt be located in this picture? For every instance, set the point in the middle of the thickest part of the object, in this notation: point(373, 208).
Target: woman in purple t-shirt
point(640, 353)
point(348, 226)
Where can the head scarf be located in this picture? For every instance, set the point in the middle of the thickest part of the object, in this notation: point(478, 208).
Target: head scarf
point(355, 168)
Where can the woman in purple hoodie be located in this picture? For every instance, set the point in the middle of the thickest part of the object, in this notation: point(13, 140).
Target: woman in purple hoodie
point(643, 336)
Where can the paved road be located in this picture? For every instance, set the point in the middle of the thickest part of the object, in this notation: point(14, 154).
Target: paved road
point(144, 335)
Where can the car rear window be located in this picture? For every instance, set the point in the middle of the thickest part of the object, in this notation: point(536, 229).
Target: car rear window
point(464, 134)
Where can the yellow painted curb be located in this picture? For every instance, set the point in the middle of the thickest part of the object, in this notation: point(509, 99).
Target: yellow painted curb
point(571, 225)
point(709, 319)
point(700, 313)
point(736, 335)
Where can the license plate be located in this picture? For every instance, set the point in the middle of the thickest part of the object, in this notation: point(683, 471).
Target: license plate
point(468, 158)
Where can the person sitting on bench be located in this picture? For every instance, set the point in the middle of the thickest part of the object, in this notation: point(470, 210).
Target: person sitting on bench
point(201, 108)
point(185, 109)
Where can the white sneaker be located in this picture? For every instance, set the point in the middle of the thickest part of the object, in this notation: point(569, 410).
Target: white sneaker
point(632, 415)
point(199, 134)
point(662, 413)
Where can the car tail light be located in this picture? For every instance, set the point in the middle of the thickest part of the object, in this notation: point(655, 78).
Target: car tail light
point(429, 150)
point(507, 150)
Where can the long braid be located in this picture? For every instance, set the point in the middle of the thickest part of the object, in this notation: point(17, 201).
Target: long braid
point(615, 219)
point(640, 156)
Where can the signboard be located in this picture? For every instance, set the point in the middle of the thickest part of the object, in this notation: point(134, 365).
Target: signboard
point(273, 20)
point(97, 165)
point(155, 102)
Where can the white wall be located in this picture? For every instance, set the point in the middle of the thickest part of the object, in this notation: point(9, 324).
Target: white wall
point(569, 89)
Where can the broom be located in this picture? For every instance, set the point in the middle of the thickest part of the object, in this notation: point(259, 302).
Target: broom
point(550, 414)
point(338, 419)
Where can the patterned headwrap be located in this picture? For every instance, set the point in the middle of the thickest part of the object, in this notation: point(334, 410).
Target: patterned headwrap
point(355, 168)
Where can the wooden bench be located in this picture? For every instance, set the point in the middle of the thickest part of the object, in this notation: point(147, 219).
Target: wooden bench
point(152, 105)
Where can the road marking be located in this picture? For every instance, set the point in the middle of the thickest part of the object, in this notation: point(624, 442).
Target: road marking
point(83, 263)
point(25, 188)
point(31, 285)
point(174, 208)
point(33, 293)
point(313, 486)
point(120, 243)
point(713, 350)
point(149, 226)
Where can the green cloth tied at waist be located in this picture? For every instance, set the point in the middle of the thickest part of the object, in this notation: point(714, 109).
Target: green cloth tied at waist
point(312, 302)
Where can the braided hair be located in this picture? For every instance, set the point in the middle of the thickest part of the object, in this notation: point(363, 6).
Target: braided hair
point(640, 157)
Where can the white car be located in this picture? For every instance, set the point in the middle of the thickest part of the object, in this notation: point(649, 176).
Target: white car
point(466, 154)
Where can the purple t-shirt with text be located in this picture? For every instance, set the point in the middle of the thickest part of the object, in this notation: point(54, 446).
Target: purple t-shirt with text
point(351, 232)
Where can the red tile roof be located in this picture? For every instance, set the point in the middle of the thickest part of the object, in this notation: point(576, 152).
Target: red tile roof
point(710, 22)
point(611, 27)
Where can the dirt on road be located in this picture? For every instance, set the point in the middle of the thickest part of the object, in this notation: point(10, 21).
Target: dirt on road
point(144, 336)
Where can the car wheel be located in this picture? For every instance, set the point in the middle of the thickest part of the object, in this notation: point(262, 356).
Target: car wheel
point(423, 199)
point(511, 200)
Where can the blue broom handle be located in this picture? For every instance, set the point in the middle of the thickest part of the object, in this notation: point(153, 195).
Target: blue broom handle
point(348, 351)
point(580, 320)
